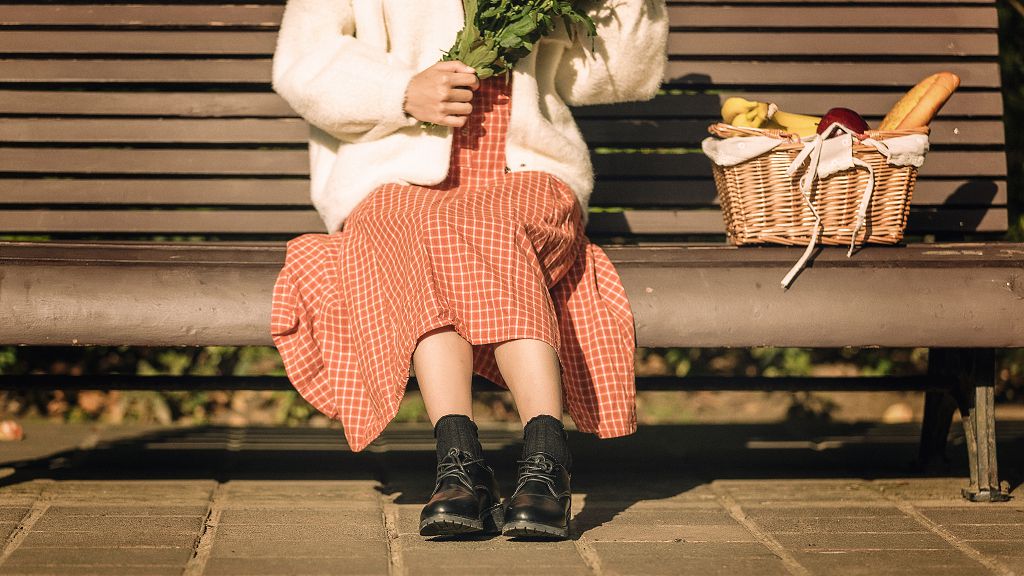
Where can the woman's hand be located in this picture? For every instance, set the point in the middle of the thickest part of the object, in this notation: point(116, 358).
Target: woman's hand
point(441, 94)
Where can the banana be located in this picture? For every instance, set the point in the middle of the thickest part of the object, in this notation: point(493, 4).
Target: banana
point(801, 124)
point(752, 114)
point(735, 107)
point(741, 112)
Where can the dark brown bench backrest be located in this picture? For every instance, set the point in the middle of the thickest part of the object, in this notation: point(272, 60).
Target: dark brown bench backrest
point(122, 121)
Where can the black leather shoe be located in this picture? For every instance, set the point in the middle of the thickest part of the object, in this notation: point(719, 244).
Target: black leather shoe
point(465, 499)
point(541, 503)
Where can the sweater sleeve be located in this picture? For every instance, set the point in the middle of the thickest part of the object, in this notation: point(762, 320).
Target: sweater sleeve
point(629, 55)
point(345, 86)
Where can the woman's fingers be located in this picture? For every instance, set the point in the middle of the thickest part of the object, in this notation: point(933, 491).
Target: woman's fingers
point(453, 108)
point(462, 79)
point(459, 95)
point(453, 66)
point(454, 121)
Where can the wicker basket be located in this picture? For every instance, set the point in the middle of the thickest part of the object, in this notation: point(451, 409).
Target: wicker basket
point(761, 204)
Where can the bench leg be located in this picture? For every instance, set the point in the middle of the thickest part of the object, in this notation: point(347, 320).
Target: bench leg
point(973, 373)
point(939, 405)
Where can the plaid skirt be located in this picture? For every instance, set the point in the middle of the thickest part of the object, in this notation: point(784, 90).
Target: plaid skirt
point(496, 254)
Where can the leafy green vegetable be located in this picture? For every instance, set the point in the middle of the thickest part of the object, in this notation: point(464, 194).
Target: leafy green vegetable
point(498, 33)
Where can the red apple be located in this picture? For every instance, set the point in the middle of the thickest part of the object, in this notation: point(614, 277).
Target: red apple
point(844, 116)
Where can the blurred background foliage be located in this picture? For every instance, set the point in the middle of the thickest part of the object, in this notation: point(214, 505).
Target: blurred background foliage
point(286, 407)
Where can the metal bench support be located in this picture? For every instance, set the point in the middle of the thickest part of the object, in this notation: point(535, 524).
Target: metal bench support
point(972, 372)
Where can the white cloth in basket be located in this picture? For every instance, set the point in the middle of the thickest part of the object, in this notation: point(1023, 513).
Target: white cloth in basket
point(732, 151)
point(904, 150)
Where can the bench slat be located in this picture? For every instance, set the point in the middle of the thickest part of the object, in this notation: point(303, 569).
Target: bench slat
point(922, 220)
point(214, 15)
point(239, 42)
point(939, 163)
point(296, 162)
point(165, 104)
point(985, 2)
point(295, 192)
point(689, 133)
point(725, 16)
point(752, 44)
point(746, 73)
point(678, 72)
point(616, 133)
point(701, 193)
point(267, 104)
point(692, 255)
point(699, 104)
point(757, 44)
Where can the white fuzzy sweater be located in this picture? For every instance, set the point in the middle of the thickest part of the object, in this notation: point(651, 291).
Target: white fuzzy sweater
point(344, 66)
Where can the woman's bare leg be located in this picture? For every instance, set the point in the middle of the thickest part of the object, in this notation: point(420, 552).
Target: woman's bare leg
point(443, 362)
point(531, 370)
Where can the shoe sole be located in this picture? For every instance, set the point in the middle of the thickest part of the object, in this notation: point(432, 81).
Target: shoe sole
point(450, 524)
point(525, 529)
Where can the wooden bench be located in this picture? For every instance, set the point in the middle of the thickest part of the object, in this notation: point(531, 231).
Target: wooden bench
point(125, 126)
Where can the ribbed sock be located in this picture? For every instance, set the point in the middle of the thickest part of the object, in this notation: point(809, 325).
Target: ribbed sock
point(545, 433)
point(457, 431)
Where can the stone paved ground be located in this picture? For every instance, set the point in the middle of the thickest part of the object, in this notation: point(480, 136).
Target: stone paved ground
point(704, 499)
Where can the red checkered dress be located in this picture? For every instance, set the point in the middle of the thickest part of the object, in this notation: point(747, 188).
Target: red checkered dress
point(499, 255)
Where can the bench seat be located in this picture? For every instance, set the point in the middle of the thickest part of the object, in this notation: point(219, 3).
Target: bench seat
point(689, 295)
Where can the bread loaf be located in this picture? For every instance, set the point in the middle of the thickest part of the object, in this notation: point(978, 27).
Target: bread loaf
point(918, 106)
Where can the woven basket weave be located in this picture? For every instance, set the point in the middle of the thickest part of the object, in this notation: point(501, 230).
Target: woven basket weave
point(761, 204)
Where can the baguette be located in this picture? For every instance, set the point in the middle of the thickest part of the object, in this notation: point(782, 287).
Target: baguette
point(919, 105)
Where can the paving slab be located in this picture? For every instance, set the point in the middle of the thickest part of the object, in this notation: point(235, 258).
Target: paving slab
point(93, 570)
point(129, 539)
point(919, 539)
point(688, 558)
point(260, 545)
point(785, 491)
point(291, 566)
point(119, 511)
point(777, 522)
point(896, 562)
point(65, 555)
point(131, 492)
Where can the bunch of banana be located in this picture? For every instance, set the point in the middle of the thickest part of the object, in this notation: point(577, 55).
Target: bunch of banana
point(750, 114)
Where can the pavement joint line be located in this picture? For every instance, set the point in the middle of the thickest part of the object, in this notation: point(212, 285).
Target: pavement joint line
point(389, 516)
point(963, 547)
point(589, 555)
point(736, 511)
point(34, 513)
point(204, 542)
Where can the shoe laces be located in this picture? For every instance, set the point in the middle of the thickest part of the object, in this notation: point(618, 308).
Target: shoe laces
point(539, 467)
point(453, 465)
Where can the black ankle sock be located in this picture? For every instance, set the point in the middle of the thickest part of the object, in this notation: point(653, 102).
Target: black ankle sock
point(546, 434)
point(457, 431)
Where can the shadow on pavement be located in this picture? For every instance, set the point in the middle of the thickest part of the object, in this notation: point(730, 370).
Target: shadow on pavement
point(656, 463)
